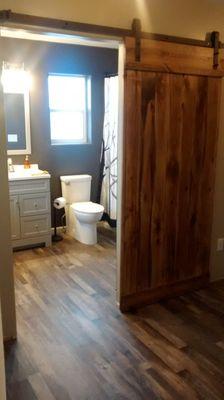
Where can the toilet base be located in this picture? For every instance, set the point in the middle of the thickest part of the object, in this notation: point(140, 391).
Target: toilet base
point(84, 226)
point(85, 233)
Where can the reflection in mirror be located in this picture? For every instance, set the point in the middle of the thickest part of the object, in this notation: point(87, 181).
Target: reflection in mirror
point(16, 84)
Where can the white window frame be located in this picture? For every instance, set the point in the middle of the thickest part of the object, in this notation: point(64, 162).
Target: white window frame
point(87, 120)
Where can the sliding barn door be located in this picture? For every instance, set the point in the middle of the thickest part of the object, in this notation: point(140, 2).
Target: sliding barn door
point(170, 135)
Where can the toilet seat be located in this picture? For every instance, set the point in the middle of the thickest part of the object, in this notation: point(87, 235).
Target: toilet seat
point(87, 207)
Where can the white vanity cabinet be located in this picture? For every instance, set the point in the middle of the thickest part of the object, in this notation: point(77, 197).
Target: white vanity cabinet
point(30, 211)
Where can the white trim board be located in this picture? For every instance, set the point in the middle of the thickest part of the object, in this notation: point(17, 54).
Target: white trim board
point(58, 38)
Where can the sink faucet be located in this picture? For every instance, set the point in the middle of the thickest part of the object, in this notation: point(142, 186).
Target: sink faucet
point(10, 165)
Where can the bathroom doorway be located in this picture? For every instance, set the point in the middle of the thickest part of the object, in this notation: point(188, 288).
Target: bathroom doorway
point(109, 227)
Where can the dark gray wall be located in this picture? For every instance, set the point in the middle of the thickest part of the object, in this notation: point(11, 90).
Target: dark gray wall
point(44, 58)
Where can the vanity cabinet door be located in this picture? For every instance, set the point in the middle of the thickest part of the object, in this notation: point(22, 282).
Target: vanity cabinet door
point(35, 226)
point(34, 204)
point(15, 217)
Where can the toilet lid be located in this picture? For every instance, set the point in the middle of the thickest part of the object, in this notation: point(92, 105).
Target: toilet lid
point(87, 207)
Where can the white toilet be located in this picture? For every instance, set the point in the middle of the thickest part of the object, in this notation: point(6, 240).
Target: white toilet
point(82, 214)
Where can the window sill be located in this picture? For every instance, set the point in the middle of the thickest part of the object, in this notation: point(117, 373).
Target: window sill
point(71, 144)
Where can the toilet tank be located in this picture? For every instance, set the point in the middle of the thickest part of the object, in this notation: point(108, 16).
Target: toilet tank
point(76, 188)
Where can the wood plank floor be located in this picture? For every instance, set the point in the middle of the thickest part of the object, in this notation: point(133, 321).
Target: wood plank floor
point(74, 344)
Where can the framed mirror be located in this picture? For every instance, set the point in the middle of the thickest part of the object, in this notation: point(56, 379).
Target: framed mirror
point(17, 110)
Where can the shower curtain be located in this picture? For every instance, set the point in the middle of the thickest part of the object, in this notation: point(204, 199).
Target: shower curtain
point(109, 150)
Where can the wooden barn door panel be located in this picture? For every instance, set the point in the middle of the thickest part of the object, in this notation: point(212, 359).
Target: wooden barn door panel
point(169, 156)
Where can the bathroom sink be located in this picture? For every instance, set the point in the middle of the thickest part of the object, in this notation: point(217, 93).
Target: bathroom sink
point(32, 173)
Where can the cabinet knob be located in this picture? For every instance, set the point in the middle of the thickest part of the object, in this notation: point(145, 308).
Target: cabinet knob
point(35, 205)
point(36, 226)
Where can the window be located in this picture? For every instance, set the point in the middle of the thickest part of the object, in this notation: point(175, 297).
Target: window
point(70, 108)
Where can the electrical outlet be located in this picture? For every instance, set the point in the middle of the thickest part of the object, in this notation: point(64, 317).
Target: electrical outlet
point(220, 244)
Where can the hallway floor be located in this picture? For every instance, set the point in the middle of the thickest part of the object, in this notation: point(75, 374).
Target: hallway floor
point(74, 344)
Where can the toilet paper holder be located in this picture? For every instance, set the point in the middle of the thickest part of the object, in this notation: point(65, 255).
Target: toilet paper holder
point(58, 204)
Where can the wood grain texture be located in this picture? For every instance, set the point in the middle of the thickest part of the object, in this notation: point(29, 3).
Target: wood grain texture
point(74, 344)
point(169, 290)
point(137, 66)
point(173, 57)
point(170, 137)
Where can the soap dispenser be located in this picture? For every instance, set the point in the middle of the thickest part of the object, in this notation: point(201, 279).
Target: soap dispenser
point(26, 163)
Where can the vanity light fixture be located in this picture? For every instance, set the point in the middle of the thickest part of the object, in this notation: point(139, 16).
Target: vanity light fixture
point(15, 79)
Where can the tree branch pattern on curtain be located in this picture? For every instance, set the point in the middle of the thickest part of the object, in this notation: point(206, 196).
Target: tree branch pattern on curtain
point(109, 149)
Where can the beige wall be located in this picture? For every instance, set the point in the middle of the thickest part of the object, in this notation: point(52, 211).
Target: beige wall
point(189, 18)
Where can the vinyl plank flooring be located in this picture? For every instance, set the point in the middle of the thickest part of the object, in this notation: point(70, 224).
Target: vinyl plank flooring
point(74, 344)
